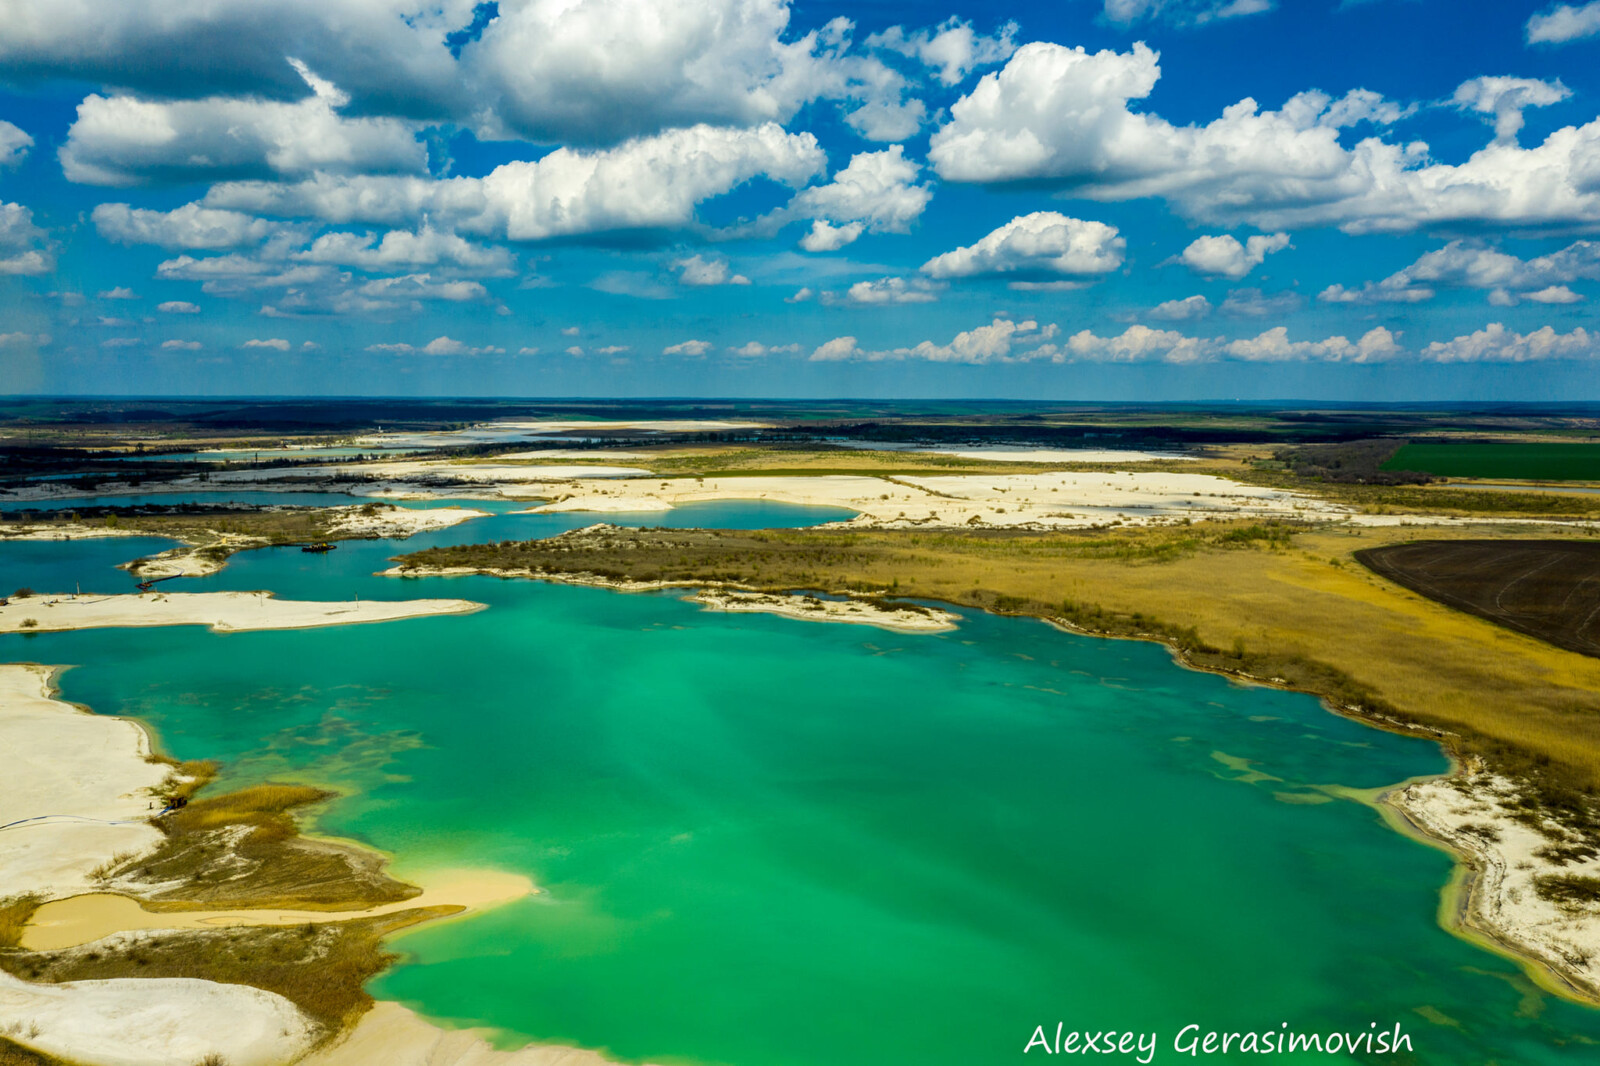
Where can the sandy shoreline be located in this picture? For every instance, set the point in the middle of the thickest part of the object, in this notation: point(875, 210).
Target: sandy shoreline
point(78, 790)
point(78, 787)
point(721, 596)
point(224, 612)
point(1495, 898)
point(812, 609)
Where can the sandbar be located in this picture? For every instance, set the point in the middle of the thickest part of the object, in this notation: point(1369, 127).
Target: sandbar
point(68, 923)
point(224, 612)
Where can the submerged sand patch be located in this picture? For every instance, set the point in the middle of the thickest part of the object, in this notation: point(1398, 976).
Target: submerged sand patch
point(68, 923)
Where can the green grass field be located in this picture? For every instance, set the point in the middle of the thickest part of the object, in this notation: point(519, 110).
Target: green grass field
point(1538, 462)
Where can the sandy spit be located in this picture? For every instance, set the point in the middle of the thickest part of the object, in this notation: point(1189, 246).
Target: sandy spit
point(69, 923)
point(814, 609)
point(222, 611)
point(78, 787)
point(718, 596)
point(1495, 899)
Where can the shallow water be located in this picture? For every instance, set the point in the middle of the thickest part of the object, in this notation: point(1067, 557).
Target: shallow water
point(770, 842)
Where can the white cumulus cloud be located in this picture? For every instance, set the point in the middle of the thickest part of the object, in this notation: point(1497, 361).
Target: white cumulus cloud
point(398, 249)
point(699, 272)
point(125, 140)
point(14, 144)
point(275, 343)
point(23, 245)
point(1225, 257)
point(1496, 344)
point(190, 226)
point(649, 183)
point(952, 49)
point(877, 190)
point(1182, 310)
point(690, 347)
point(1473, 265)
point(1506, 98)
point(437, 346)
point(996, 342)
point(1563, 23)
point(883, 292)
point(1060, 117)
point(1182, 12)
point(1041, 243)
point(178, 307)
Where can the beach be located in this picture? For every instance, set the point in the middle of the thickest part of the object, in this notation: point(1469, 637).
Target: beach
point(223, 611)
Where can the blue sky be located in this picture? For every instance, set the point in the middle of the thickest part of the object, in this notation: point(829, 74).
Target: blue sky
point(1083, 199)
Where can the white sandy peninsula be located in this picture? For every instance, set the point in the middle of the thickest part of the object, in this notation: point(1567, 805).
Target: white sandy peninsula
point(78, 788)
point(1513, 861)
point(222, 611)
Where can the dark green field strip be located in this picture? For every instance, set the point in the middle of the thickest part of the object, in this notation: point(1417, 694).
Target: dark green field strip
point(1537, 462)
point(1549, 589)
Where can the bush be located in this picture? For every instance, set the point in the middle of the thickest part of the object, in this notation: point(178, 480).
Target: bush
point(1568, 888)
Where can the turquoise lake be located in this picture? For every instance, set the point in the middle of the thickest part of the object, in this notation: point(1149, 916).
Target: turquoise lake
point(768, 842)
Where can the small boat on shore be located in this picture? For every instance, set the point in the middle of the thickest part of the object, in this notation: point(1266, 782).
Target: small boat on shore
point(318, 546)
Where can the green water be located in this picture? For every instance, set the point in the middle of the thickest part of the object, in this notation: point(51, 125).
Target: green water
point(768, 842)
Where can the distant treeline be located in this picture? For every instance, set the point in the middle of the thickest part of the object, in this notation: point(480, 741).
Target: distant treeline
point(1351, 463)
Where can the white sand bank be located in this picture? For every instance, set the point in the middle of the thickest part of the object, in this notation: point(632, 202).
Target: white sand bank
point(1004, 453)
point(222, 611)
point(532, 430)
point(159, 1021)
point(78, 788)
point(573, 453)
point(1470, 816)
point(1036, 501)
point(389, 521)
point(813, 609)
point(391, 1035)
point(68, 923)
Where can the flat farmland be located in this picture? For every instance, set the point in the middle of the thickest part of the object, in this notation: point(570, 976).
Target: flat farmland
point(1534, 462)
point(1548, 589)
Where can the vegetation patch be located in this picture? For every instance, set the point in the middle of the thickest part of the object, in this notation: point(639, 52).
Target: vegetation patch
point(1569, 889)
point(243, 849)
point(320, 968)
point(1535, 462)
